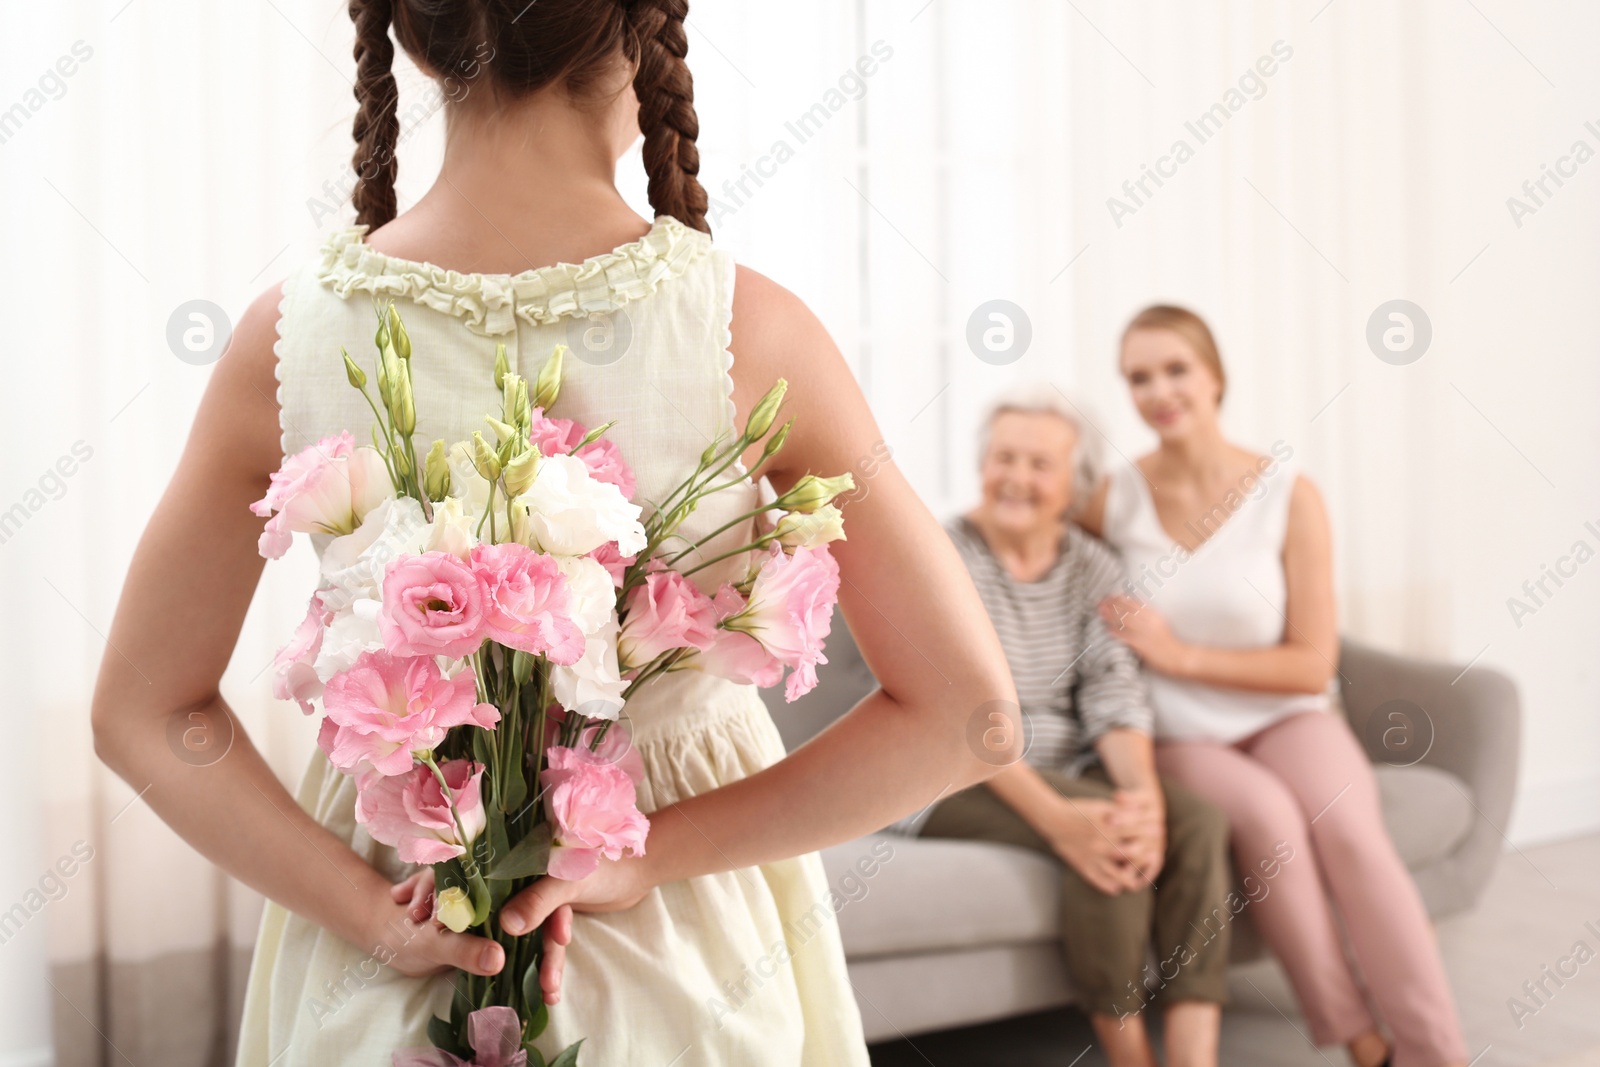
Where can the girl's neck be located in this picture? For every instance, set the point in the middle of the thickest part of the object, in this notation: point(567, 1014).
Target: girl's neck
point(527, 186)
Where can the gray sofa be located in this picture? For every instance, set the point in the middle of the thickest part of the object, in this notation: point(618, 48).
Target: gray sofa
point(942, 933)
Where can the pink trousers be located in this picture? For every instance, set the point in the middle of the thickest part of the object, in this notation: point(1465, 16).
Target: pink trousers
point(1304, 781)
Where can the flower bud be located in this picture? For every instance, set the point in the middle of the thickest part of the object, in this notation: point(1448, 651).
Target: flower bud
point(398, 334)
point(404, 413)
point(811, 492)
point(436, 479)
point(503, 432)
point(776, 441)
point(801, 530)
point(522, 409)
point(594, 434)
point(483, 458)
point(521, 471)
point(355, 374)
point(508, 406)
point(501, 366)
point(765, 411)
point(453, 907)
point(548, 385)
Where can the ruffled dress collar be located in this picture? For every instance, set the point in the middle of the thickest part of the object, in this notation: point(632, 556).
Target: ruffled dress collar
point(490, 303)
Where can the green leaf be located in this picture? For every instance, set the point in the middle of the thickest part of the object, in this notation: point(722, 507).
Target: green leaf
point(514, 790)
point(482, 900)
point(527, 858)
point(522, 666)
point(481, 750)
point(443, 1035)
point(461, 1004)
point(535, 1057)
point(569, 1055)
point(490, 847)
point(533, 1000)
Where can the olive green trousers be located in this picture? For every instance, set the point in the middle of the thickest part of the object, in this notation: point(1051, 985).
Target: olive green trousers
point(1106, 939)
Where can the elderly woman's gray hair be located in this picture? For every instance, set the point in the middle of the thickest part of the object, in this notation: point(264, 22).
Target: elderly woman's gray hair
point(1046, 398)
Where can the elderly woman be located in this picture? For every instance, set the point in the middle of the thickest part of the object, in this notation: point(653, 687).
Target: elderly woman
point(1144, 860)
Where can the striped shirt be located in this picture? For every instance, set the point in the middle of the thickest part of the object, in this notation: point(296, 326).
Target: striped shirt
point(1074, 680)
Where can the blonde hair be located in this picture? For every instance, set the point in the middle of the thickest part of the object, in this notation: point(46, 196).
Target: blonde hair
point(1187, 325)
point(1041, 397)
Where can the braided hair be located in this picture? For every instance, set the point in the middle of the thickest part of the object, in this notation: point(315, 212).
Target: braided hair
point(533, 45)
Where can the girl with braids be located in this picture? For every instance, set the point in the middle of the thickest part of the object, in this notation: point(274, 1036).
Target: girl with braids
point(719, 945)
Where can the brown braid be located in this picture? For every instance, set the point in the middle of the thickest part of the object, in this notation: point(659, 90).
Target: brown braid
point(377, 125)
point(666, 110)
point(521, 48)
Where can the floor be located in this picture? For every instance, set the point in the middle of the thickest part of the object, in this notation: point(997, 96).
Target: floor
point(1533, 914)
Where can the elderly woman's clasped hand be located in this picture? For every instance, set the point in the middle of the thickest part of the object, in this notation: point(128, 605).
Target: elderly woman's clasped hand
point(1116, 845)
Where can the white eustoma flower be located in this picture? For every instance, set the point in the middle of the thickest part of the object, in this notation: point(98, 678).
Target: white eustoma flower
point(592, 686)
point(353, 565)
point(452, 530)
point(594, 594)
point(352, 632)
point(568, 512)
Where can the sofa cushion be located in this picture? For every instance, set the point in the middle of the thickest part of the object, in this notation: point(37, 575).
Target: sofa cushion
point(934, 894)
point(1426, 810)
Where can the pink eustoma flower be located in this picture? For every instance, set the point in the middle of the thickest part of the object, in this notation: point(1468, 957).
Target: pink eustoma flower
point(527, 602)
point(554, 437)
point(433, 604)
point(668, 611)
point(327, 487)
point(386, 707)
point(293, 667)
point(615, 563)
point(783, 624)
point(593, 812)
point(412, 813)
point(605, 462)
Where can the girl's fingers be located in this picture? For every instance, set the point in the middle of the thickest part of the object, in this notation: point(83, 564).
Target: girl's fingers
point(551, 969)
point(468, 952)
point(535, 904)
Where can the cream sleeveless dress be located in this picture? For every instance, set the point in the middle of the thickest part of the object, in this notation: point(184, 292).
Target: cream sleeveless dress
point(736, 969)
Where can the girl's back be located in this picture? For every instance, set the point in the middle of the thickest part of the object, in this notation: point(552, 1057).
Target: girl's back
point(718, 946)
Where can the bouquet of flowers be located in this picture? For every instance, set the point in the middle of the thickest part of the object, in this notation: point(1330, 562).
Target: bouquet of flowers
point(484, 613)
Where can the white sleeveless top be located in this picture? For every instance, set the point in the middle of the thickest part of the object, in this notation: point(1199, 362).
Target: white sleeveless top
point(1228, 593)
point(647, 326)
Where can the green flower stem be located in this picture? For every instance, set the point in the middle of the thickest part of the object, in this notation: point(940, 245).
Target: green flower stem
point(723, 556)
point(650, 672)
point(719, 464)
point(467, 862)
point(725, 526)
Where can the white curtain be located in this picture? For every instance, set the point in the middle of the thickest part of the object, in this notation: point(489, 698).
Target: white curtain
point(899, 165)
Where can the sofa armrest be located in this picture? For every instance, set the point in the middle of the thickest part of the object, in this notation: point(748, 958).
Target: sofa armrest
point(1466, 722)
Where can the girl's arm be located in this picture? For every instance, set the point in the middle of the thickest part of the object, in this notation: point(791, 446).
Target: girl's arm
point(1302, 662)
point(187, 590)
point(910, 604)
